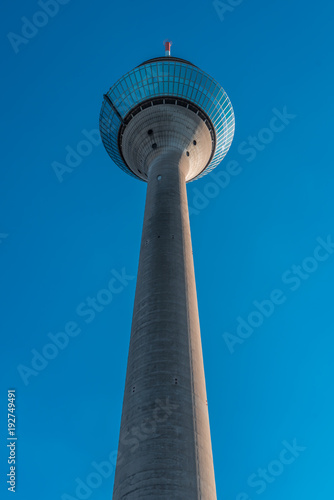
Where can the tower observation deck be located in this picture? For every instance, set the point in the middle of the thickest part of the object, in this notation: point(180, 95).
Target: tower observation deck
point(167, 123)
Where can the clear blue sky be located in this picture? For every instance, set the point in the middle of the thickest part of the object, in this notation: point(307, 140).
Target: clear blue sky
point(269, 384)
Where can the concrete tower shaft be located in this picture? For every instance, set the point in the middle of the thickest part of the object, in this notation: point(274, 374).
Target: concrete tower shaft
point(165, 445)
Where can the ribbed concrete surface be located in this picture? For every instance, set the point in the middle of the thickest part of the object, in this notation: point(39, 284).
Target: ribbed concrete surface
point(165, 445)
point(173, 128)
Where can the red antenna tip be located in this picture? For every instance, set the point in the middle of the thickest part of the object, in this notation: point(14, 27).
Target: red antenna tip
point(167, 44)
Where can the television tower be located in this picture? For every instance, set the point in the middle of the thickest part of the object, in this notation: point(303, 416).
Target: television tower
point(167, 123)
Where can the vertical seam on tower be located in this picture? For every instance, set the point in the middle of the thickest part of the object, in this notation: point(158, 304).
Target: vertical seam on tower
point(190, 343)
